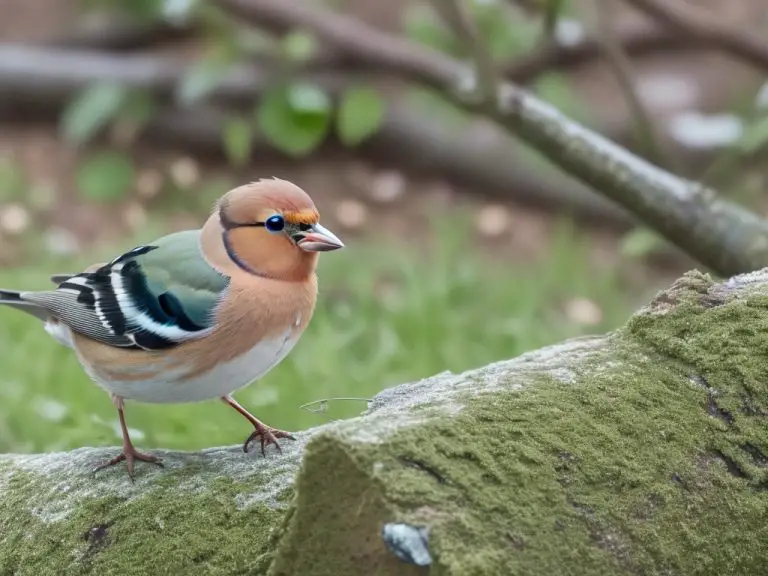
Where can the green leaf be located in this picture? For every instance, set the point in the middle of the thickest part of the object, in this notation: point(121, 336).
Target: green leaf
point(139, 107)
point(553, 10)
point(361, 111)
point(237, 135)
point(295, 119)
point(105, 176)
point(421, 23)
point(250, 41)
point(308, 100)
point(91, 110)
point(640, 242)
point(206, 74)
point(755, 136)
point(13, 181)
point(199, 81)
point(178, 12)
point(505, 35)
point(556, 89)
point(299, 46)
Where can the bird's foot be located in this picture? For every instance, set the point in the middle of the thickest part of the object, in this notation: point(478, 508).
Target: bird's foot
point(266, 436)
point(130, 455)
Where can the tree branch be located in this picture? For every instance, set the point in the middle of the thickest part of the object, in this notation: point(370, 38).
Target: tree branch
point(622, 69)
point(36, 83)
point(120, 34)
point(721, 235)
point(637, 39)
point(695, 23)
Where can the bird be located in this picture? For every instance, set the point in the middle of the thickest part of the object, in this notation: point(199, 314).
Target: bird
point(197, 314)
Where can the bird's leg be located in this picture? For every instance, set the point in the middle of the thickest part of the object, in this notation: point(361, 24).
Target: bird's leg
point(265, 434)
point(129, 454)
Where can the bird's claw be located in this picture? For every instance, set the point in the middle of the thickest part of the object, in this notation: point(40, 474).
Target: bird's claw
point(130, 455)
point(267, 436)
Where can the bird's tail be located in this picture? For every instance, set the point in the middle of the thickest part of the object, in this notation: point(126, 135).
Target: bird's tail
point(13, 299)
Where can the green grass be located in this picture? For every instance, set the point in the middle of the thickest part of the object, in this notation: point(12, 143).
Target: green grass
point(386, 315)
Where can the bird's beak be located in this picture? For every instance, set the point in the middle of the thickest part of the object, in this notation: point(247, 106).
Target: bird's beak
point(319, 239)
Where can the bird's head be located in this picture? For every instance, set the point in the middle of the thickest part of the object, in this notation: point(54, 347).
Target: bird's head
point(269, 228)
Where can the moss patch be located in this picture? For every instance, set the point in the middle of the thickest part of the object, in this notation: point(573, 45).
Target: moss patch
point(649, 458)
point(336, 520)
point(165, 531)
point(722, 340)
point(652, 461)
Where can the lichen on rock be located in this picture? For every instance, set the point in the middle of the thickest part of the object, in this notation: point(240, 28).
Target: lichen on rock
point(211, 512)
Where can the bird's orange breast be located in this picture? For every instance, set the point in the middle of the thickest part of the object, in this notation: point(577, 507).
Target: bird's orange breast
point(253, 309)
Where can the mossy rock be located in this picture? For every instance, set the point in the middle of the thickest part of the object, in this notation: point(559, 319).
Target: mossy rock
point(639, 452)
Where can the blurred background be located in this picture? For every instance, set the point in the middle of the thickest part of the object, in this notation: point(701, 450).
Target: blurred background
point(121, 121)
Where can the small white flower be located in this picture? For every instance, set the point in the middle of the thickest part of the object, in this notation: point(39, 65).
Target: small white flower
point(51, 409)
point(696, 130)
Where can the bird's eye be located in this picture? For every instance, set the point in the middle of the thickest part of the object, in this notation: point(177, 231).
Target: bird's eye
point(275, 223)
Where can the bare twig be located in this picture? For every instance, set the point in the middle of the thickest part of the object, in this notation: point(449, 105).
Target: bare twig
point(724, 236)
point(36, 83)
point(622, 69)
point(463, 26)
point(635, 40)
point(551, 14)
point(697, 24)
point(321, 406)
point(532, 7)
point(120, 34)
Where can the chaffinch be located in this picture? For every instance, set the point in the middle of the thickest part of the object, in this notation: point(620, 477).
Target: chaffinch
point(198, 314)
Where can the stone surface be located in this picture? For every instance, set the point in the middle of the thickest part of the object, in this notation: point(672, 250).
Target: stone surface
point(639, 452)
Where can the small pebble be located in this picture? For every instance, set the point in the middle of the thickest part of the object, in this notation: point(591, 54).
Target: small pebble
point(351, 214)
point(61, 241)
point(388, 186)
point(134, 433)
point(493, 220)
point(583, 311)
point(135, 216)
point(185, 172)
point(14, 219)
point(148, 184)
point(407, 542)
point(51, 409)
point(569, 32)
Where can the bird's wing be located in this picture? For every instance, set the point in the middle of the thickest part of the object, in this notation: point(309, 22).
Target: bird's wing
point(155, 296)
point(59, 278)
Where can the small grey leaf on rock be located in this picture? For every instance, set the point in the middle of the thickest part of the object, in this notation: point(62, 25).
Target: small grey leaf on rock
point(409, 543)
